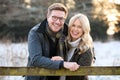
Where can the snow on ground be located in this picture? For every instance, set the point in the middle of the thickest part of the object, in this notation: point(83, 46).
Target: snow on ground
point(107, 54)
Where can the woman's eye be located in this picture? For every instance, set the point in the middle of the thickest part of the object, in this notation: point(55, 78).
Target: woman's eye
point(73, 25)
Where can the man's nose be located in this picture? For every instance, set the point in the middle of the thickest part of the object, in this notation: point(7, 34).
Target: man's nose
point(58, 20)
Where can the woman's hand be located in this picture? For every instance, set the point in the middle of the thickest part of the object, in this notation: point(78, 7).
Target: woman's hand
point(72, 66)
point(56, 58)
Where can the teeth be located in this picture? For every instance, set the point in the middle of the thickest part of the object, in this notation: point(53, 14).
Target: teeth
point(75, 33)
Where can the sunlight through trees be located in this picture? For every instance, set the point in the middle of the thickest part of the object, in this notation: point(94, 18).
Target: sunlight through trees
point(107, 9)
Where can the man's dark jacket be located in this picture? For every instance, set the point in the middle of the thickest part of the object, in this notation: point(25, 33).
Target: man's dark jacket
point(39, 47)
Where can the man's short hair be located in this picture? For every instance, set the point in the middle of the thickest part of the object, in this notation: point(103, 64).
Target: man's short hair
point(57, 6)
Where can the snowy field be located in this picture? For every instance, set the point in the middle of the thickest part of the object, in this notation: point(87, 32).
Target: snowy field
point(107, 54)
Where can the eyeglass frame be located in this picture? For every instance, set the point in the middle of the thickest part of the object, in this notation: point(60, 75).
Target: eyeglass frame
point(61, 19)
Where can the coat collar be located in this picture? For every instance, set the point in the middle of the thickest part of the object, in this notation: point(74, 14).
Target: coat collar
point(42, 26)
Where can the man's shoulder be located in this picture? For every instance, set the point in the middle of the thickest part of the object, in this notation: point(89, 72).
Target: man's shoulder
point(38, 28)
point(35, 27)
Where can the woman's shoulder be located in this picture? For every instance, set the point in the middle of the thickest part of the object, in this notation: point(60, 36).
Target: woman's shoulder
point(87, 53)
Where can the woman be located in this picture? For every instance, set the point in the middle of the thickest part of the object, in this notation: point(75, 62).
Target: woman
point(80, 44)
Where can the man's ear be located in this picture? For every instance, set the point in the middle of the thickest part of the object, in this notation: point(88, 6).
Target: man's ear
point(47, 16)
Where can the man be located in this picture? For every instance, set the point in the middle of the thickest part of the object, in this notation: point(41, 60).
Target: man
point(46, 41)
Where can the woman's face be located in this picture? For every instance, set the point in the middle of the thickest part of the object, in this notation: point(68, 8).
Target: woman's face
point(76, 30)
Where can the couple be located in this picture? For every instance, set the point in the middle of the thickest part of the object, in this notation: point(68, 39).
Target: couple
point(54, 45)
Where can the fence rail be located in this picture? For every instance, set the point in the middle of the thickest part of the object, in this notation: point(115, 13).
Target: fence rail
point(96, 70)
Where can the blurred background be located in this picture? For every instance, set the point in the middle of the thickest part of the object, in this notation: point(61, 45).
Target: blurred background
point(21, 15)
point(17, 17)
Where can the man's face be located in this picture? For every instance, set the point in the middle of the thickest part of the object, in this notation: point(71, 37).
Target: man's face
point(56, 20)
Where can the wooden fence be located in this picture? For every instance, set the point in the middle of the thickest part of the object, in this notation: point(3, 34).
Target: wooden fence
point(96, 70)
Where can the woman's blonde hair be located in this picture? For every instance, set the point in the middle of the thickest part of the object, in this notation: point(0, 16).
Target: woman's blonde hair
point(86, 39)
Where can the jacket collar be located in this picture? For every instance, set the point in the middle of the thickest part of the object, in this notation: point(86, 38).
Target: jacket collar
point(42, 26)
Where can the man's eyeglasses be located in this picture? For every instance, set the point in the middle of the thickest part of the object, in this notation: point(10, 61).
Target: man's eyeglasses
point(55, 18)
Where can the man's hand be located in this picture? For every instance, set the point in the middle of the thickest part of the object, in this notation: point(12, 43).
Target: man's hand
point(72, 66)
point(56, 58)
